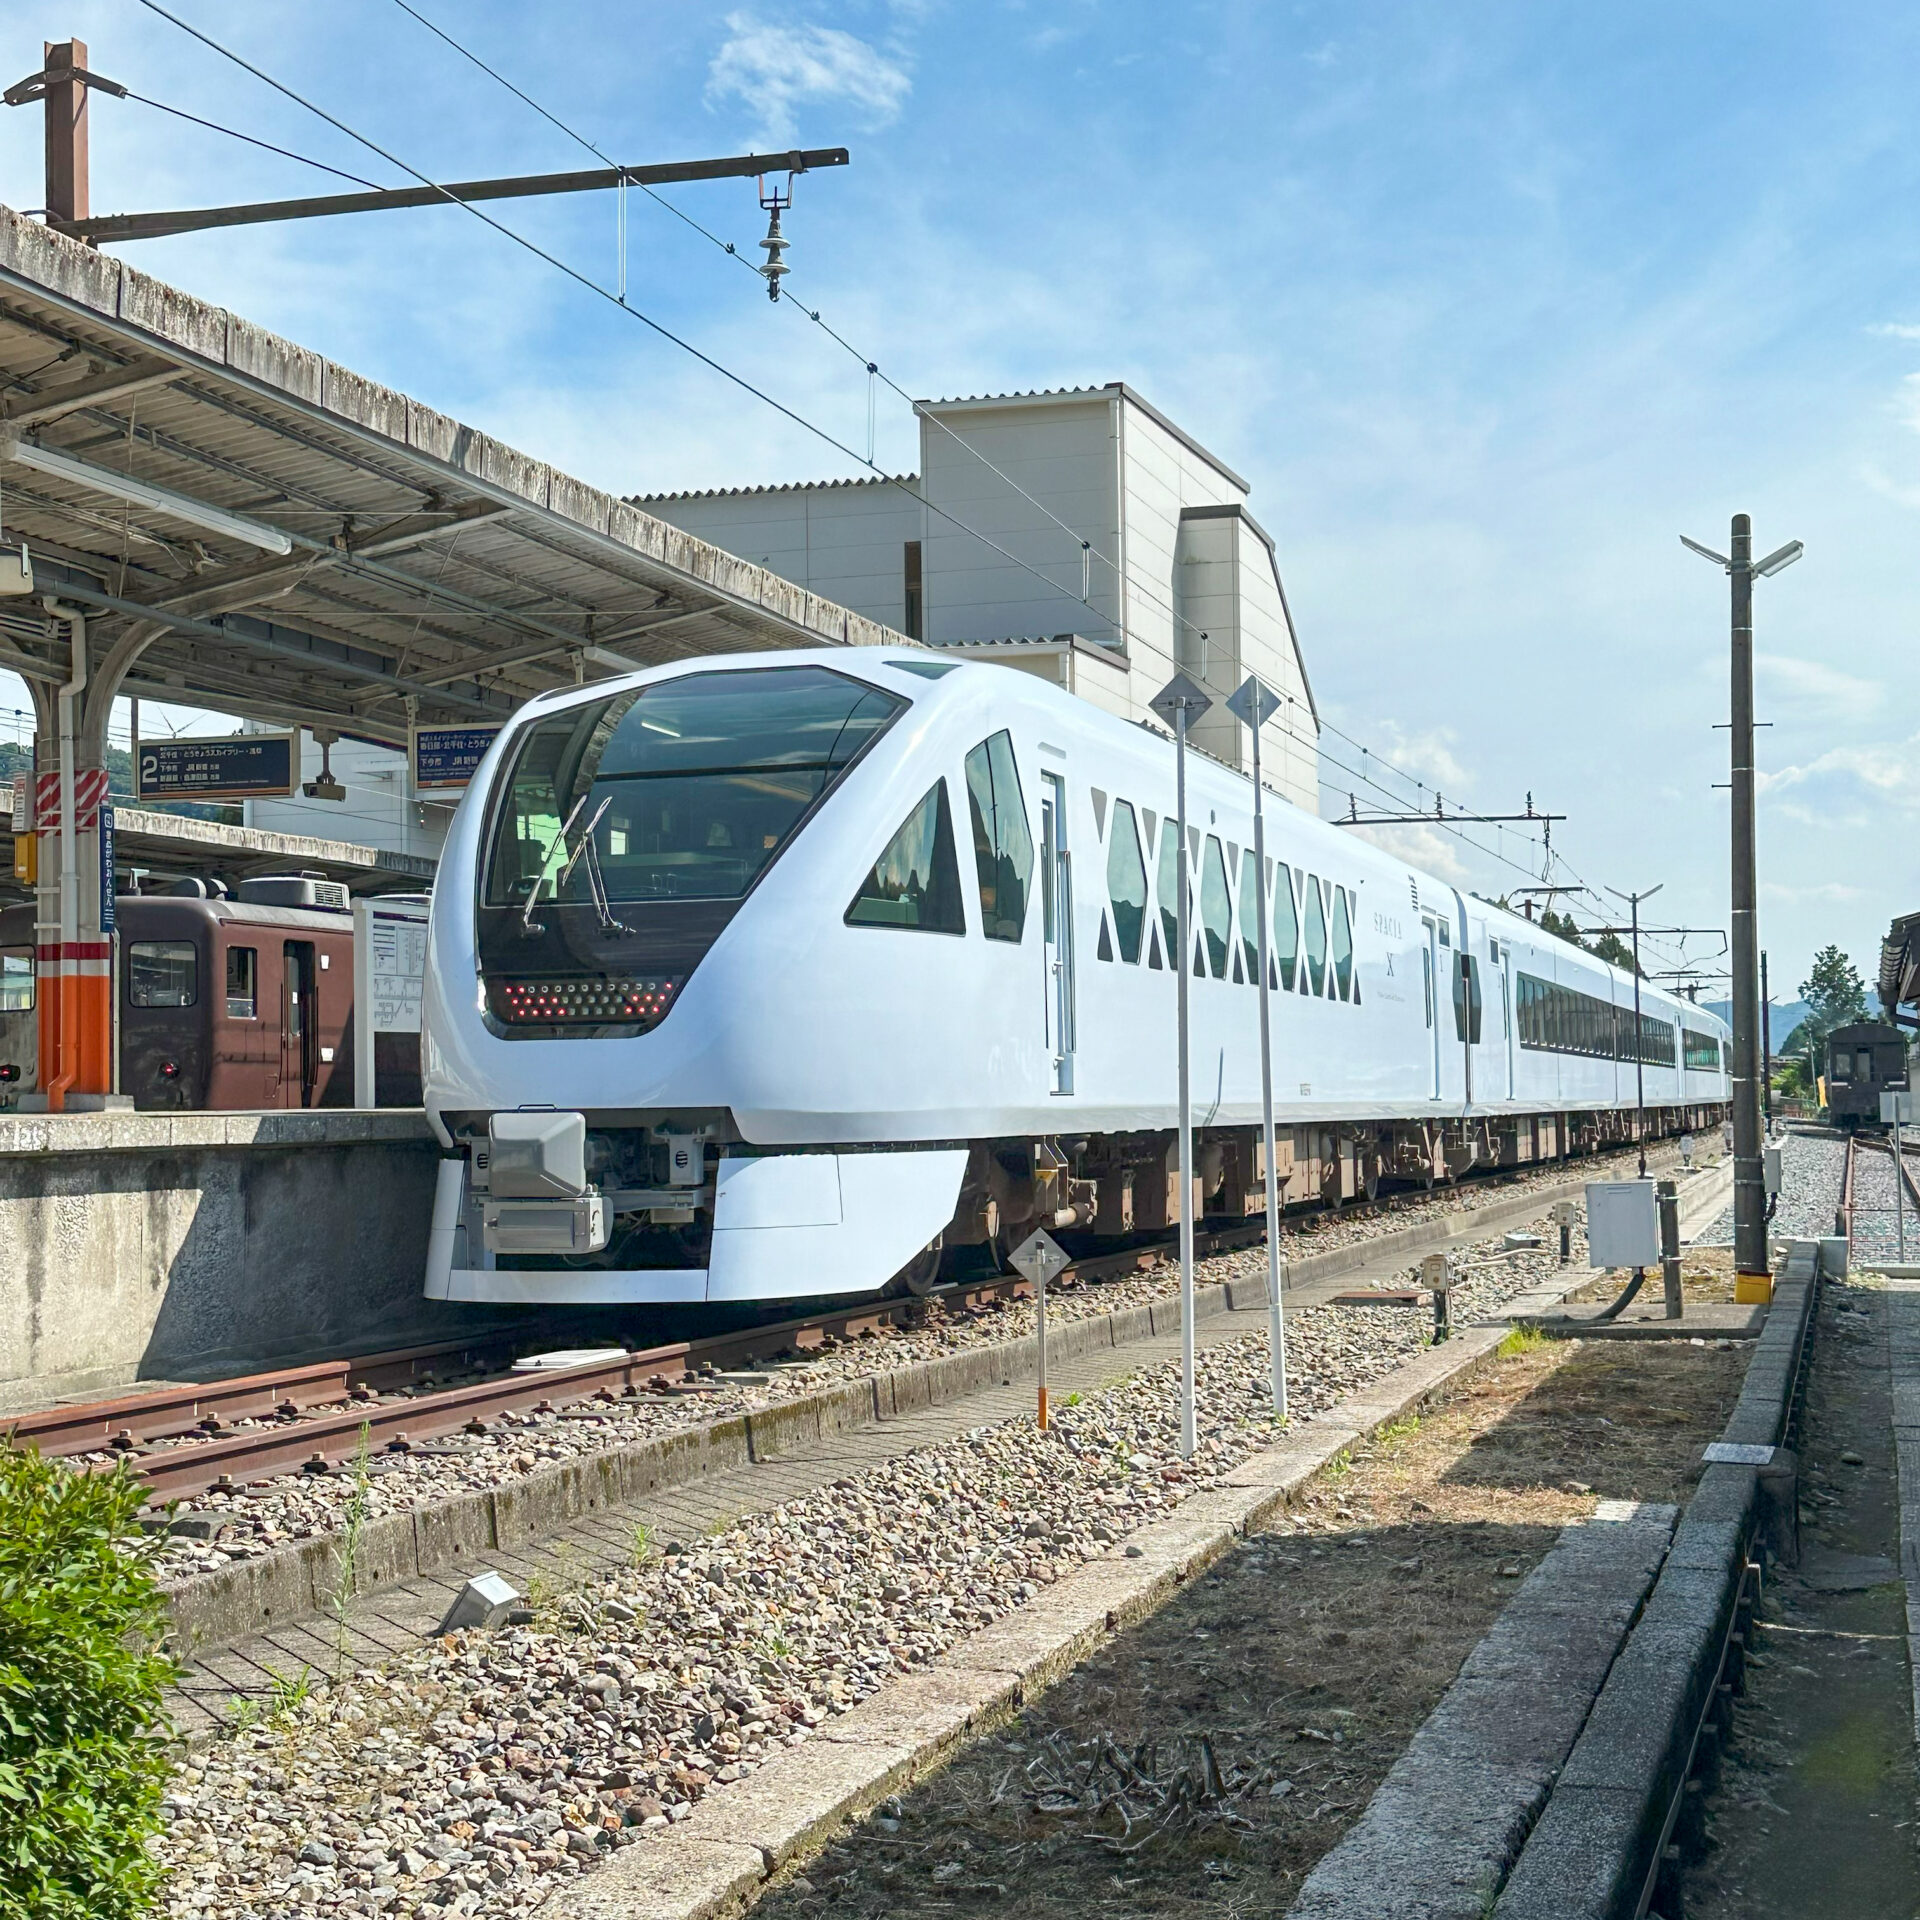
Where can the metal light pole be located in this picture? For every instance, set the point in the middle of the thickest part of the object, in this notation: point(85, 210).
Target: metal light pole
point(1753, 1281)
point(1639, 1051)
point(1254, 704)
point(1179, 702)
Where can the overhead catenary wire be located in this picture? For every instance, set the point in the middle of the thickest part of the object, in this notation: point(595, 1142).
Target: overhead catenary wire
point(747, 386)
point(233, 133)
point(875, 371)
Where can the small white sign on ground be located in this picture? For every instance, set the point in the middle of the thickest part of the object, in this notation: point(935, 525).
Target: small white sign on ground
point(1623, 1224)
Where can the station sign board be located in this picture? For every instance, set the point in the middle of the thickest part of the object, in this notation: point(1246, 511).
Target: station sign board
point(239, 766)
point(389, 972)
point(447, 757)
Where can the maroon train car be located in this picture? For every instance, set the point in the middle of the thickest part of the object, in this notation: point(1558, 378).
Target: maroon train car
point(224, 1003)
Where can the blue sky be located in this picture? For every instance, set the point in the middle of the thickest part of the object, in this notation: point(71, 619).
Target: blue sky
point(1490, 304)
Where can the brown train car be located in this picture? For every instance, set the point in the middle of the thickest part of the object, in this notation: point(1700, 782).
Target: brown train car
point(224, 1004)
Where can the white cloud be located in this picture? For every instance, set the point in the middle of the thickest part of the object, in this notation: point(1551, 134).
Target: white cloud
point(1886, 773)
point(1812, 685)
point(1425, 848)
point(1895, 330)
point(774, 70)
point(1832, 893)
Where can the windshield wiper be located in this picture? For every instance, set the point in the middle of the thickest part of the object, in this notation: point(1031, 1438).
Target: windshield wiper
point(596, 881)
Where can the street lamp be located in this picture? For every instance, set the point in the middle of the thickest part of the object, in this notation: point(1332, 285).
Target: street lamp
point(1179, 703)
point(1753, 1282)
point(1253, 705)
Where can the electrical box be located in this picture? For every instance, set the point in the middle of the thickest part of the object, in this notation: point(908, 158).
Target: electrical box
point(1896, 1108)
point(1436, 1273)
point(1770, 1168)
point(1623, 1224)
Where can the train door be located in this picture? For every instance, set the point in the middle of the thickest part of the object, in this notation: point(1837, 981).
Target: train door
point(299, 1027)
point(1500, 956)
point(1057, 895)
point(1430, 978)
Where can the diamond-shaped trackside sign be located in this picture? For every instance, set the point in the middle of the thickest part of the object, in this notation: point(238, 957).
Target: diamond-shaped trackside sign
point(1254, 703)
point(1181, 695)
point(1038, 1257)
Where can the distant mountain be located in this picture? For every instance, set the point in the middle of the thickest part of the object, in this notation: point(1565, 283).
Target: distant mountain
point(1787, 1015)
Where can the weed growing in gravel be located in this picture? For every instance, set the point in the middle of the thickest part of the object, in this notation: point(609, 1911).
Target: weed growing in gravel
point(642, 1544)
point(1521, 1339)
point(347, 1556)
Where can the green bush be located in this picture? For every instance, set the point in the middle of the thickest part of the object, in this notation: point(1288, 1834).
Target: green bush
point(83, 1752)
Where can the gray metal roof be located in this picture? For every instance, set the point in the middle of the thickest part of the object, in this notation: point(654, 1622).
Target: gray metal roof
point(428, 560)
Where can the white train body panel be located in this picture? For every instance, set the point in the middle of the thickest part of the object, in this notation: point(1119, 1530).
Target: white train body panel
point(810, 1033)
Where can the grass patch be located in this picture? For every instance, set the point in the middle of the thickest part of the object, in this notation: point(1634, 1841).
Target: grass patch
point(1521, 1339)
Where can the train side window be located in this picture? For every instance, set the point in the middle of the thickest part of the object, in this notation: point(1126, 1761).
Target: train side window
point(1170, 885)
point(1316, 936)
point(1342, 944)
point(243, 994)
point(916, 881)
point(1126, 881)
point(1286, 924)
point(1426, 979)
point(1216, 907)
point(16, 979)
point(1002, 841)
point(163, 973)
point(1250, 907)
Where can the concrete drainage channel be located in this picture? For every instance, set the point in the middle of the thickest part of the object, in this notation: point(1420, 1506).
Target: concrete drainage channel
point(304, 1581)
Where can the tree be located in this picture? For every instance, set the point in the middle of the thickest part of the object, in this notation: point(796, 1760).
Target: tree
point(1835, 994)
point(1610, 947)
point(1560, 925)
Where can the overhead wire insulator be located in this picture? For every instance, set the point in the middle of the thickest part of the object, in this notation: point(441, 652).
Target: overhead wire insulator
point(775, 203)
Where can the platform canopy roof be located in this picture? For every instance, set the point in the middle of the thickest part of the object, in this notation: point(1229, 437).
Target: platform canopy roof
point(262, 532)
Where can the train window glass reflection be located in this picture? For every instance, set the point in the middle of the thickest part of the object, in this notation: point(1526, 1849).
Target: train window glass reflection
point(1250, 915)
point(1170, 884)
point(1316, 936)
point(1216, 907)
point(1002, 841)
point(243, 996)
point(16, 979)
point(691, 786)
point(1126, 880)
point(1286, 925)
point(163, 973)
point(1342, 944)
point(916, 881)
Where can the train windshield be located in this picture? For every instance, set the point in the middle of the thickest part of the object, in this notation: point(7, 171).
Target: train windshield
point(684, 790)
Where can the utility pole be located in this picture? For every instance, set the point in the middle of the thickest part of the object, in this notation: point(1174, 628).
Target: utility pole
point(66, 97)
point(1178, 703)
point(1766, 1046)
point(1639, 1047)
point(1254, 705)
point(1753, 1278)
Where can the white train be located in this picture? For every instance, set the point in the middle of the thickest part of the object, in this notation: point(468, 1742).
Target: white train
point(771, 976)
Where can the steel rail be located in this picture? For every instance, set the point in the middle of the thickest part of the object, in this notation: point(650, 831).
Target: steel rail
point(323, 1444)
point(86, 1426)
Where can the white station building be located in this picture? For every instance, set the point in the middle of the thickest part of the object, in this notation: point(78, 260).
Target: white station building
point(1132, 554)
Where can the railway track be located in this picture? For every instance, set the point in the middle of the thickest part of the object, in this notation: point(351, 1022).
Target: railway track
point(305, 1436)
point(190, 1439)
